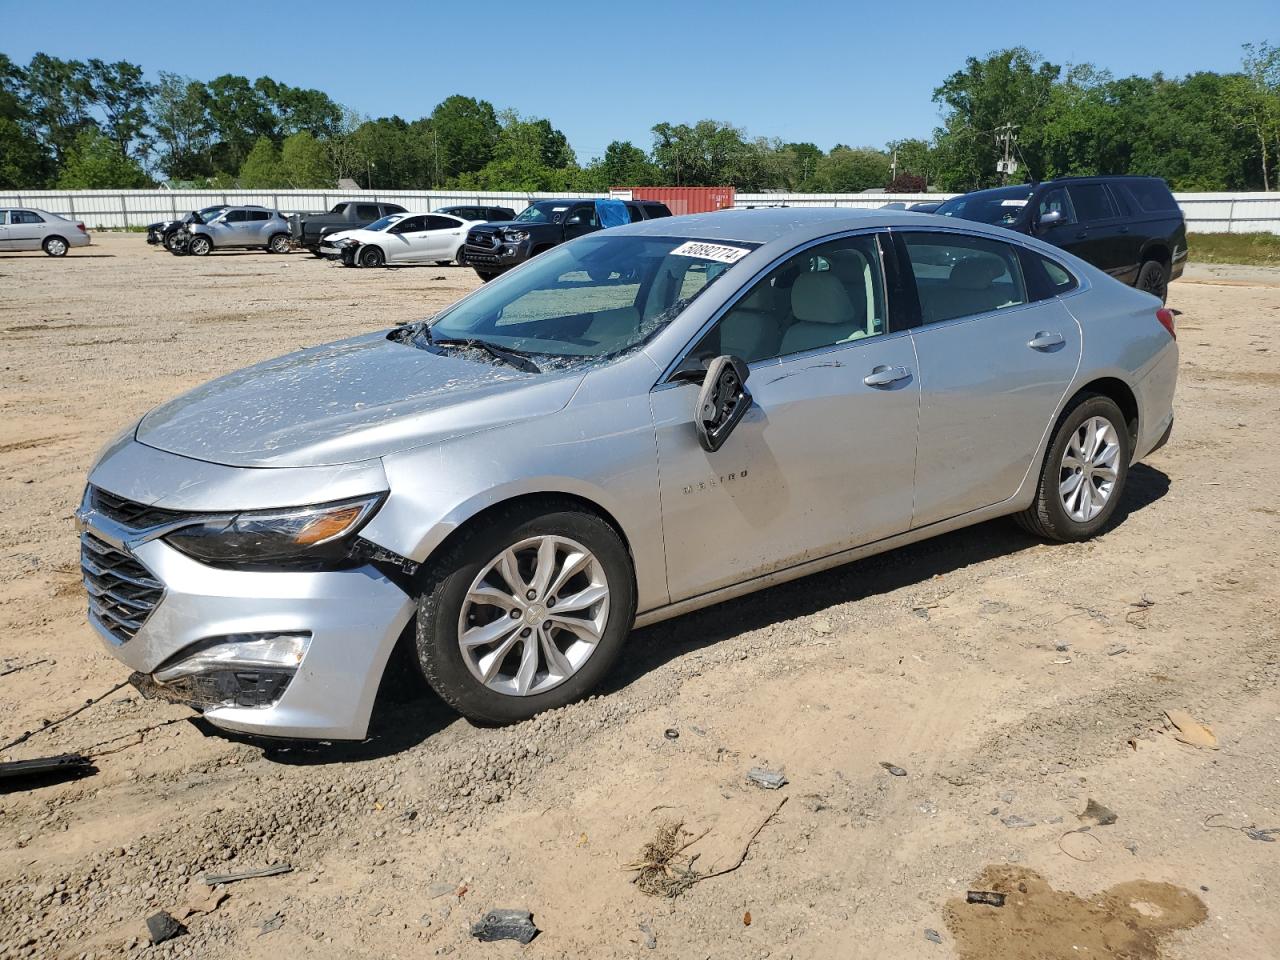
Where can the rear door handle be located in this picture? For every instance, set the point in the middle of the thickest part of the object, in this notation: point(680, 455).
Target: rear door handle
point(1046, 341)
point(883, 376)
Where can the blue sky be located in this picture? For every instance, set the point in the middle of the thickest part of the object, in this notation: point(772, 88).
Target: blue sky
point(824, 71)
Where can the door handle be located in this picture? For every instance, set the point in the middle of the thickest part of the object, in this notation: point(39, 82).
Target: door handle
point(883, 376)
point(1082, 234)
point(1124, 229)
point(1046, 341)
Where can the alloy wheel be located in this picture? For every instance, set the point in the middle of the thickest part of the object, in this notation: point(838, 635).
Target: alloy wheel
point(1089, 469)
point(534, 615)
point(56, 247)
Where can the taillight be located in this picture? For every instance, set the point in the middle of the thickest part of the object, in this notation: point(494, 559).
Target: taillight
point(1165, 316)
point(81, 226)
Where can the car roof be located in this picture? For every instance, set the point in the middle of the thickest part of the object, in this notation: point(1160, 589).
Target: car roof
point(765, 224)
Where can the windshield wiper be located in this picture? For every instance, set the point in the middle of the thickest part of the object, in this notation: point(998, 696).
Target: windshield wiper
point(506, 356)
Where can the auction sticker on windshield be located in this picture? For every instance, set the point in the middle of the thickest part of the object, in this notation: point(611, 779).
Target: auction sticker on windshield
point(710, 251)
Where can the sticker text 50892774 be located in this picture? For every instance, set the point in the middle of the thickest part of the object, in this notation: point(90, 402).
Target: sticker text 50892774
point(710, 251)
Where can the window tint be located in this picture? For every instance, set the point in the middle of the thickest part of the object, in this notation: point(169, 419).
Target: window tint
point(340, 207)
point(1046, 278)
point(25, 216)
point(237, 216)
point(1059, 278)
point(440, 223)
point(959, 276)
point(1056, 201)
point(259, 215)
point(655, 210)
point(1091, 202)
point(1149, 195)
point(410, 225)
point(4, 217)
point(367, 211)
point(633, 211)
point(392, 208)
point(583, 215)
point(830, 294)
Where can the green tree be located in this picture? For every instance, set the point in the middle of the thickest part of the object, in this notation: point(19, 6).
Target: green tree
point(120, 92)
point(179, 110)
point(625, 165)
point(304, 162)
point(466, 132)
point(261, 168)
point(240, 115)
point(59, 97)
point(94, 162)
point(24, 161)
point(798, 163)
point(850, 170)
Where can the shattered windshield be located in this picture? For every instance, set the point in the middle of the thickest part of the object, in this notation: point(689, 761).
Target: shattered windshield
point(596, 297)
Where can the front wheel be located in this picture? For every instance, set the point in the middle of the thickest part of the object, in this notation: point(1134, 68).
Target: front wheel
point(525, 613)
point(372, 257)
point(55, 246)
point(199, 246)
point(1084, 472)
point(1153, 279)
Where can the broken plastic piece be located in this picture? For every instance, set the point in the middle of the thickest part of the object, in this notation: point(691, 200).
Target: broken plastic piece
point(989, 897)
point(769, 779)
point(505, 925)
point(65, 767)
point(271, 871)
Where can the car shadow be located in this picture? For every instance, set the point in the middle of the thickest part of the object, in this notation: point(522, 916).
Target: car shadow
point(408, 713)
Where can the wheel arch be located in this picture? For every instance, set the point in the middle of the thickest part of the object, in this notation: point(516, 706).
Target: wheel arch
point(1156, 250)
point(1121, 394)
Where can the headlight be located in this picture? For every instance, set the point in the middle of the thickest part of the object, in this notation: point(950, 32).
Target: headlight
point(191, 228)
point(515, 236)
point(348, 242)
point(302, 536)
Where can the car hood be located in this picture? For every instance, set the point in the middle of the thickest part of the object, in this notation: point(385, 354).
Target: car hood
point(348, 401)
point(358, 234)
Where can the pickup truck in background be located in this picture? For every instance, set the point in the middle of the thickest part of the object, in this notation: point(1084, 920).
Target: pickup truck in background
point(309, 229)
point(495, 248)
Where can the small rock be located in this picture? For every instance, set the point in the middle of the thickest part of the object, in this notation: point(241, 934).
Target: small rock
point(821, 627)
point(989, 897)
point(505, 925)
point(1116, 648)
point(768, 779)
point(932, 935)
point(894, 771)
point(1013, 822)
point(1097, 815)
point(162, 927)
point(650, 941)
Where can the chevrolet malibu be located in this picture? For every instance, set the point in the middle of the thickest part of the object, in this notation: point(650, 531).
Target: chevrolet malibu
point(636, 424)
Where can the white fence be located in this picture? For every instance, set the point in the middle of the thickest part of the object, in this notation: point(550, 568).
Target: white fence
point(1205, 212)
point(116, 209)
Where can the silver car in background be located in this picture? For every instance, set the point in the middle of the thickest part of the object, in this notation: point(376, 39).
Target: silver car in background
point(25, 228)
point(239, 227)
point(639, 423)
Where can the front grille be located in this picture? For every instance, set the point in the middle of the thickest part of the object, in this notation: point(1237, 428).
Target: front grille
point(130, 513)
point(122, 592)
point(487, 240)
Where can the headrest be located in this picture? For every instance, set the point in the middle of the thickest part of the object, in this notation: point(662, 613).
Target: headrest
point(760, 299)
point(820, 298)
point(976, 273)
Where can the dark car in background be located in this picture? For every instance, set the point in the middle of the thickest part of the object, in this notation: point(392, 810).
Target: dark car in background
point(490, 214)
point(495, 248)
point(309, 229)
point(1130, 227)
point(162, 233)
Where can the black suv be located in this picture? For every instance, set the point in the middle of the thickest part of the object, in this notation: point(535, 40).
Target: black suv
point(1131, 227)
point(480, 213)
point(497, 247)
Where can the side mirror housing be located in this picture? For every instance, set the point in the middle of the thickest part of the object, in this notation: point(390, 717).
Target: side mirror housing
point(722, 402)
point(1049, 218)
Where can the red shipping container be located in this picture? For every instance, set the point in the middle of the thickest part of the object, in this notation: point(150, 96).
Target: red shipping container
point(681, 200)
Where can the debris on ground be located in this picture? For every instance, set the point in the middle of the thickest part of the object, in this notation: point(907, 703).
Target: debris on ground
point(1266, 836)
point(67, 766)
point(505, 925)
point(1190, 730)
point(271, 924)
point(200, 901)
point(650, 939)
point(1097, 815)
point(769, 779)
point(989, 897)
point(933, 936)
point(1136, 615)
point(271, 871)
point(1116, 649)
point(671, 733)
point(1084, 843)
point(441, 889)
point(746, 919)
point(661, 871)
point(821, 627)
point(1013, 822)
point(894, 771)
point(161, 927)
point(25, 666)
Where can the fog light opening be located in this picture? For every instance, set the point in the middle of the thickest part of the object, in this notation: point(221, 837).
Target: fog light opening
point(243, 670)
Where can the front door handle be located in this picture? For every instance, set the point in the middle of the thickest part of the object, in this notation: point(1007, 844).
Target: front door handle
point(883, 376)
point(1046, 341)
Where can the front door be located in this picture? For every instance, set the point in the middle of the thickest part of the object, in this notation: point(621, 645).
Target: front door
point(825, 458)
point(27, 230)
point(580, 219)
point(1095, 238)
point(993, 370)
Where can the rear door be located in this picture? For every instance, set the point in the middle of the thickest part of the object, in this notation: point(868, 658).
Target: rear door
point(994, 364)
point(444, 235)
point(259, 227)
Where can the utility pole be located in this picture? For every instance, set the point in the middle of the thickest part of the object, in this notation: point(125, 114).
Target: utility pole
point(1006, 137)
point(893, 166)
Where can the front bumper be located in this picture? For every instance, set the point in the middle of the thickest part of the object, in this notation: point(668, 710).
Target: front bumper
point(502, 256)
point(353, 619)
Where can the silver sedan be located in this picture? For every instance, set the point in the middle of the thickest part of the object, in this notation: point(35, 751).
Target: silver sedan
point(25, 228)
point(636, 424)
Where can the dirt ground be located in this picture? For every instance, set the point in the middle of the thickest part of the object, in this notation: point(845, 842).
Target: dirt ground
point(1011, 680)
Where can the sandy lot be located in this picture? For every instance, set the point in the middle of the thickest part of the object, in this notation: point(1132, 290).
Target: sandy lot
point(1008, 678)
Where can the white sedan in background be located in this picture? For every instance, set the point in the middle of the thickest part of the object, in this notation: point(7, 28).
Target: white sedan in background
point(401, 238)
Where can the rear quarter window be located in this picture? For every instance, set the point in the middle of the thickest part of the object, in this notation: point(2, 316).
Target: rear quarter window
point(1046, 277)
point(1150, 196)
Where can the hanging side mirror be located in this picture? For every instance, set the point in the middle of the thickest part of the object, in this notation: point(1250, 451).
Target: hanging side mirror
point(722, 402)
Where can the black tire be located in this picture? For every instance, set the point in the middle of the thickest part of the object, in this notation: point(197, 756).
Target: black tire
point(444, 586)
point(1154, 279)
point(1047, 516)
point(443, 263)
point(279, 243)
point(56, 246)
point(484, 275)
point(372, 257)
point(315, 252)
point(460, 258)
point(199, 245)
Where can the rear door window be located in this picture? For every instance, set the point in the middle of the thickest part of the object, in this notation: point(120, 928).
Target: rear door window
point(367, 211)
point(392, 208)
point(259, 215)
point(633, 211)
point(961, 276)
point(1091, 202)
point(440, 223)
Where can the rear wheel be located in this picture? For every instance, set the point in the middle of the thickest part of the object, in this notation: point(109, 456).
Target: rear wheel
point(279, 243)
point(460, 258)
point(1084, 472)
point(524, 613)
point(199, 246)
point(1154, 279)
point(55, 246)
point(372, 257)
